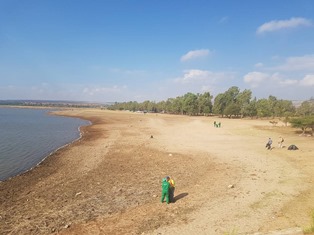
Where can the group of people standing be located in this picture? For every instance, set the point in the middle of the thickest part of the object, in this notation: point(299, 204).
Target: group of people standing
point(217, 124)
point(270, 142)
point(168, 186)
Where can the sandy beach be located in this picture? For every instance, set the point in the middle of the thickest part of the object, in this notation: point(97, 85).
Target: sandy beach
point(109, 181)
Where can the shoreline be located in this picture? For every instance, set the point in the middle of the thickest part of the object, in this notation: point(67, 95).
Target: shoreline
point(109, 180)
point(51, 113)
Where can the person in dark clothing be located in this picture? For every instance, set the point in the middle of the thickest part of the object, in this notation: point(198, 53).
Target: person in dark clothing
point(269, 143)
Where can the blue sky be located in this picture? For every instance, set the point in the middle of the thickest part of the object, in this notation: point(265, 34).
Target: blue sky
point(119, 50)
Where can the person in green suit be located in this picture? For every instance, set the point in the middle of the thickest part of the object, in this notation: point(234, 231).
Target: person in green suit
point(171, 188)
point(165, 190)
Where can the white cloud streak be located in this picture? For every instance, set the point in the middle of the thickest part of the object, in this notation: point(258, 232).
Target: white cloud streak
point(92, 91)
point(203, 76)
point(300, 63)
point(308, 80)
point(258, 79)
point(276, 25)
point(255, 78)
point(191, 55)
point(258, 65)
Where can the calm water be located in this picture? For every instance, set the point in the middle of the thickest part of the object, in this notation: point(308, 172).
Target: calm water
point(27, 136)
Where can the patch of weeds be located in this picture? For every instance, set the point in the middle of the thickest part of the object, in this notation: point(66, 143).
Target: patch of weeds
point(310, 229)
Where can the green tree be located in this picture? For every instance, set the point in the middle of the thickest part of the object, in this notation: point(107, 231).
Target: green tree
point(250, 110)
point(232, 109)
point(231, 95)
point(263, 108)
point(219, 104)
point(232, 102)
point(303, 123)
point(272, 102)
point(190, 104)
point(161, 106)
point(205, 103)
point(243, 100)
point(177, 105)
point(284, 108)
point(306, 108)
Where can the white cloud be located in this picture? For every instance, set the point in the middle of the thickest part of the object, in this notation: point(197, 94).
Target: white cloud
point(258, 65)
point(300, 63)
point(255, 78)
point(206, 88)
point(308, 80)
point(276, 25)
point(195, 54)
point(193, 75)
point(94, 91)
point(288, 82)
point(276, 77)
point(196, 75)
point(276, 80)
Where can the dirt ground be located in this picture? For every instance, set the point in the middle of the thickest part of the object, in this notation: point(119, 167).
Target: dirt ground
point(109, 181)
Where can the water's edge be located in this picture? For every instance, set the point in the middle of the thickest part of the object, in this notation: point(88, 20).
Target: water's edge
point(52, 112)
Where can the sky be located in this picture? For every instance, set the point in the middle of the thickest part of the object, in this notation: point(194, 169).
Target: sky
point(137, 50)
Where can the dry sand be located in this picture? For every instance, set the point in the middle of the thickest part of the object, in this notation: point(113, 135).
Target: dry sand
point(109, 182)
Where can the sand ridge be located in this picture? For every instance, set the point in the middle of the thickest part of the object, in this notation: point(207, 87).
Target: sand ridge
point(109, 181)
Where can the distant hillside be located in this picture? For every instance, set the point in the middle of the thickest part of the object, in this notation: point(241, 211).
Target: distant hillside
point(297, 103)
point(54, 103)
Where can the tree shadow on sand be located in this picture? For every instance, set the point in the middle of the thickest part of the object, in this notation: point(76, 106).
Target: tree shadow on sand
point(180, 196)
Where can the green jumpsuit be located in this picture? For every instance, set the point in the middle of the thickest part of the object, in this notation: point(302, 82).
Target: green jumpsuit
point(165, 190)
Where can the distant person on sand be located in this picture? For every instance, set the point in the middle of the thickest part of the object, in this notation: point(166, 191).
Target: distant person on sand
point(269, 143)
point(280, 142)
point(215, 124)
point(171, 189)
point(165, 186)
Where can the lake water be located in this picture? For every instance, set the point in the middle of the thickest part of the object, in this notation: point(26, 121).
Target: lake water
point(27, 136)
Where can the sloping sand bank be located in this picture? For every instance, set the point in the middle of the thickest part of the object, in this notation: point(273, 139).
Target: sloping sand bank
point(109, 181)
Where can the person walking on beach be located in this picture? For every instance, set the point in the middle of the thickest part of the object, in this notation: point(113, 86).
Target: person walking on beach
point(269, 143)
point(165, 186)
point(171, 188)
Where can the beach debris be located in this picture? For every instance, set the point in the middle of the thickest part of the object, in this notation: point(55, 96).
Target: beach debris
point(293, 147)
point(119, 190)
point(151, 136)
point(231, 186)
point(154, 195)
point(77, 194)
point(170, 154)
point(67, 225)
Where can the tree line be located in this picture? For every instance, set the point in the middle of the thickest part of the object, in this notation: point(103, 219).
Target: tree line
point(233, 103)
